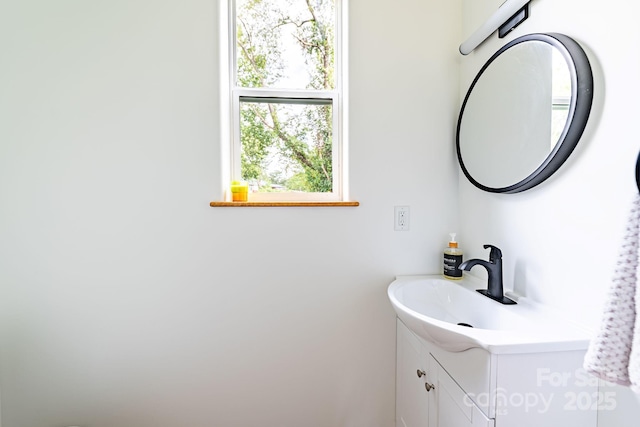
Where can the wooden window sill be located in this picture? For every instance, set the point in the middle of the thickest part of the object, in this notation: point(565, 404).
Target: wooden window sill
point(279, 204)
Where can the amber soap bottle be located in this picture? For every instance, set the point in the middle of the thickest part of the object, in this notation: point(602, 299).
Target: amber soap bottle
point(452, 260)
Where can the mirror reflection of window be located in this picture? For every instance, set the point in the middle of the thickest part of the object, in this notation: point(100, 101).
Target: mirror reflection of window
point(561, 96)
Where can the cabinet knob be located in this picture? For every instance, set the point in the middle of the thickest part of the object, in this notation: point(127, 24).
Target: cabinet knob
point(429, 387)
point(421, 373)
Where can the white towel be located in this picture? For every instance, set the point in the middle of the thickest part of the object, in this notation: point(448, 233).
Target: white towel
point(614, 353)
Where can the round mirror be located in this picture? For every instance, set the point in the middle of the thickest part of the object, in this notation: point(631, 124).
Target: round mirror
point(524, 113)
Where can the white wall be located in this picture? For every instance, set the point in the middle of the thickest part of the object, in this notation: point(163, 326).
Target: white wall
point(560, 240)
point(125, 300)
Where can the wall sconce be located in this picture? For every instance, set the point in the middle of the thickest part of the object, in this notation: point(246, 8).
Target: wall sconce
point(508, 16)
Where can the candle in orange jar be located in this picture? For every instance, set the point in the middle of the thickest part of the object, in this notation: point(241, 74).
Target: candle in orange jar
point(239, 191)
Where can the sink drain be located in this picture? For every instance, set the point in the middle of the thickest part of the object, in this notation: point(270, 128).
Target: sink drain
point(465, 324)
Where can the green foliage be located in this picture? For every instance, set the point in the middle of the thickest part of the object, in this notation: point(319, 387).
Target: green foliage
point(298, 182)
point(298, 139)
point(255, 142)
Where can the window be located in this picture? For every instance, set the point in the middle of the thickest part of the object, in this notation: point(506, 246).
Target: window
point(560, 95)
point(286, 83)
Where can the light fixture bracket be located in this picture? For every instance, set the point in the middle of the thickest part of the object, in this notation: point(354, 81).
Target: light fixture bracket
point(518, 18)
point(508, 16)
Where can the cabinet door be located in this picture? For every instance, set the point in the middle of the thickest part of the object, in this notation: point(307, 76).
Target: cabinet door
point(450, 406)
point(412, 403)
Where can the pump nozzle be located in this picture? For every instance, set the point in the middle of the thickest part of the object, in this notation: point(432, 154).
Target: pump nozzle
point(452, 242)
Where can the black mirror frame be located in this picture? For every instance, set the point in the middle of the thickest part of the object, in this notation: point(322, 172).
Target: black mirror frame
point(579, 110)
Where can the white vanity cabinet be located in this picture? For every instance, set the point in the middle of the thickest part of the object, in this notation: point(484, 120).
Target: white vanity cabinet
point(474, 388)
point(412, 398)
point(426, 395)
point(451, 405)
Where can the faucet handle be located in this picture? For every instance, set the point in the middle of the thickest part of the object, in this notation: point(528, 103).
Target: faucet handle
point(495, 255)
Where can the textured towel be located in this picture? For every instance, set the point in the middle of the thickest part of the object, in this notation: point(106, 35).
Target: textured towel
point(614, 353)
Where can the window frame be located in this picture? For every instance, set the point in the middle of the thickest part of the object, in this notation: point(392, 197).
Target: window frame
point(299, 96)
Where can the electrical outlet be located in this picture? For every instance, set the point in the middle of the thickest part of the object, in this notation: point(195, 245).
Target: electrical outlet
point(401, 218)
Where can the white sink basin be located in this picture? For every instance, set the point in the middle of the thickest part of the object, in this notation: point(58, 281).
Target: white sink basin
point(434, 307)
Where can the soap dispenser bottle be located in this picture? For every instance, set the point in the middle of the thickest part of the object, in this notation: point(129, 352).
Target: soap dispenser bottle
point(452, 260)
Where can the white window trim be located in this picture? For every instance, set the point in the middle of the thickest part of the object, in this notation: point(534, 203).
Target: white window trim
point(338, 97)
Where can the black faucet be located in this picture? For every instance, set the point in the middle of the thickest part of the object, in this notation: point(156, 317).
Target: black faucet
point(494, 269)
